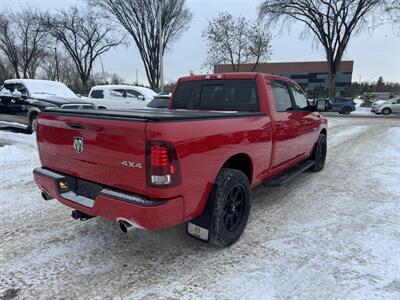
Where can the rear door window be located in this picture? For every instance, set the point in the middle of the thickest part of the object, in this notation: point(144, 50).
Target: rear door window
point(97, 94)
point(234, 95)
point(118, 93)
point(300, 100)
point(282, 98)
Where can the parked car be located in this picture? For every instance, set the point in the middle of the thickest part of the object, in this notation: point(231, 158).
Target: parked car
point(22, 99)
point(159, 101)
point(121, 96)
point(386, 107)
point(194, 162)
point(342, 105)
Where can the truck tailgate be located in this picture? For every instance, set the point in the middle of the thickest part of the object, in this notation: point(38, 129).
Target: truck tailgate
point(113, 152)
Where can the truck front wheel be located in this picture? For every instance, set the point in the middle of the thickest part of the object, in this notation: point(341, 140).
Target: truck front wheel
point(231, 207)
point(319, 154)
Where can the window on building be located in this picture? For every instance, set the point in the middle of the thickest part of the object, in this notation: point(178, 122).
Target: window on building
point(281, 96)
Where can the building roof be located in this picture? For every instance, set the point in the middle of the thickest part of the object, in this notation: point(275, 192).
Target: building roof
point(288, 67)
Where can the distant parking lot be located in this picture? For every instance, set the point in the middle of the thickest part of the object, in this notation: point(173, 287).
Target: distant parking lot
point(329, 235)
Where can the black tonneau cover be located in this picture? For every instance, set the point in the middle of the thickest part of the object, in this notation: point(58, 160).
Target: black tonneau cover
point(152, 115)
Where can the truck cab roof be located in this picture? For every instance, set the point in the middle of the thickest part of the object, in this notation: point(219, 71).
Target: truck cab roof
point(235, 75)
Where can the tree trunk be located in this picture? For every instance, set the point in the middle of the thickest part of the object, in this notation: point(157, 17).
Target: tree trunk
point(332, 84)
point(16, 72)
point(331, 75)
point(84, 84)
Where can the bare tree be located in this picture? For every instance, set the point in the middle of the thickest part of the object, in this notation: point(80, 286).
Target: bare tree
point(8, 43)
point(5, 70)
point(393, 13)
point(23, 40)
point(332, 22)
point(139, 18)
point(235, 41)
point(85, 36)
point(59, 66)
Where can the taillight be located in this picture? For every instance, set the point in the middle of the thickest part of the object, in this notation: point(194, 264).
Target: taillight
point(162, 164)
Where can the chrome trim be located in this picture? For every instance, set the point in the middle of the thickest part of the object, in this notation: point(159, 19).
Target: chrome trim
point(71, 196)
point(47, 173)
point(87, 202)
point(129, 198)
point(79, 105)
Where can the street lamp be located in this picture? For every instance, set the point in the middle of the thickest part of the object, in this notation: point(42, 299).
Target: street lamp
point(160, 54)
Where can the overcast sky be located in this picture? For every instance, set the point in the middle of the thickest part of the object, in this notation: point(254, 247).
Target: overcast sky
point(375, 53)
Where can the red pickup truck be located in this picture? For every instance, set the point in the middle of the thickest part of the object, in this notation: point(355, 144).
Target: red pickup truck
point(195, 162)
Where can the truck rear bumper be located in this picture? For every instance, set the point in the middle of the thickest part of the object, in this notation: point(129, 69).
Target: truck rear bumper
point(111, 204)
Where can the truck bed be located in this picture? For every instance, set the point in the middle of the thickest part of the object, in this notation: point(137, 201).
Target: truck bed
point(150, 115)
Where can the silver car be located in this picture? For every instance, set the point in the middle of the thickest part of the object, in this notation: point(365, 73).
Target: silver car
point(386, 107)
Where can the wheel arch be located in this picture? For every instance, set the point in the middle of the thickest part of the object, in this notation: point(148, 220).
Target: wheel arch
point(32, 112)
point(241, 162)
point(387, 107)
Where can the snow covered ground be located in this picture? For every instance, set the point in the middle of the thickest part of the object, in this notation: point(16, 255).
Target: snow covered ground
point(331, 235)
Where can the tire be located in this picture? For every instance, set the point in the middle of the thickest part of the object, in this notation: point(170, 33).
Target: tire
point(232, 203)
point(33, 123)
point(346, 110)
point(319, 155)
point(386, 111)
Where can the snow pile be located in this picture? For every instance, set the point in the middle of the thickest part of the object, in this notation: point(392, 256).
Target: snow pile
point(328, 235)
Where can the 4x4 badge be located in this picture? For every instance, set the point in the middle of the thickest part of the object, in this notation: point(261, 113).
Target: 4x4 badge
point(78, 144)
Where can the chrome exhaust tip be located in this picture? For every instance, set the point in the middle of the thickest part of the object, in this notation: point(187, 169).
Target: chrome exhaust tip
point(125, 226)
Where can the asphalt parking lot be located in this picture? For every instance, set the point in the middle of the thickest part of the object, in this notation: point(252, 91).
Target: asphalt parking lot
point(328, 235)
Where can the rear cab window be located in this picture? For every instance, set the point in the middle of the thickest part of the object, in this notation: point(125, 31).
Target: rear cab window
point(228, 95)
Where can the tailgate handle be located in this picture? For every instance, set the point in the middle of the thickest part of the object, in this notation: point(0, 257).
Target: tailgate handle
point(75, 125)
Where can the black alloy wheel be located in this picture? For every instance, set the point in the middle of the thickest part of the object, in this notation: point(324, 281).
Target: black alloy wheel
point(234, 208)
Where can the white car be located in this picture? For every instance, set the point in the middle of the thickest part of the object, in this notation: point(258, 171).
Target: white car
point(387, 107)
point(120, 96)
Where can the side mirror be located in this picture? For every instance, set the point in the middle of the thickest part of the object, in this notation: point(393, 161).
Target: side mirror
point(17, 94)
point(141, 97)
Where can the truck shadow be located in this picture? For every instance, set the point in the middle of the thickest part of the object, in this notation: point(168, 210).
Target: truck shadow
point(15, 129)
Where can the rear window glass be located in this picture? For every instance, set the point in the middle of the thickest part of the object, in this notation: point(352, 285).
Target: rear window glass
point(159, 102)
point(239, 95)
point(97, 94)
point(281, 97)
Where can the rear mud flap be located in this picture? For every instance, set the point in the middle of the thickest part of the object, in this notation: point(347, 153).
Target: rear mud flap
point(199, 227)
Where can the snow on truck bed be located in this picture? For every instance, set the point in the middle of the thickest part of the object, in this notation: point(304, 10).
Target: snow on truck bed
point(331, 235)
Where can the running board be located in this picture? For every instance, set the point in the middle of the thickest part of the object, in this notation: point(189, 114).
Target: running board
point(287, 176)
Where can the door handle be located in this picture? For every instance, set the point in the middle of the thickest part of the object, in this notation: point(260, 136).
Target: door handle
point(75, 125)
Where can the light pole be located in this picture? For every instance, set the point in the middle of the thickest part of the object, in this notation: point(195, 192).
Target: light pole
point(160, 53)
point(102, 68)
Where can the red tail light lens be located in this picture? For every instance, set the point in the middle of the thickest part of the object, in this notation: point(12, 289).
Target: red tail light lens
point(159, 156)
point(162, 165)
